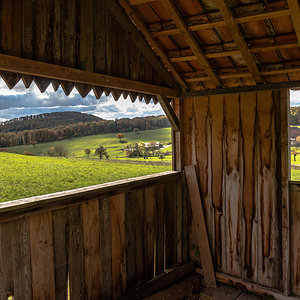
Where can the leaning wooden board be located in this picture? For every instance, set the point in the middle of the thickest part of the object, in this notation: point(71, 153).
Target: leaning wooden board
point(200, 226)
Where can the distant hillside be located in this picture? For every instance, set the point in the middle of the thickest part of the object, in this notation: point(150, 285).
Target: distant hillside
point(82, 128)
point(48, 120)
point(295, 115)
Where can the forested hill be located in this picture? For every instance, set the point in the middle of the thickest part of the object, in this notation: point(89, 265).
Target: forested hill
point(295, 115)
point(47, 120)
point(61, 132)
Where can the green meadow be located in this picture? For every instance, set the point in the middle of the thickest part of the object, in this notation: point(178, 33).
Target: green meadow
point(24, 176)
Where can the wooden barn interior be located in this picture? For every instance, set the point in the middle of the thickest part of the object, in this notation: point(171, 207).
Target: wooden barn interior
point(221, 70)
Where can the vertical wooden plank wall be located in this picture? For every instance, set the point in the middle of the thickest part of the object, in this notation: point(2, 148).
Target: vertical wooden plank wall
point(97, 248)
point(235, 143)
point(76, 34)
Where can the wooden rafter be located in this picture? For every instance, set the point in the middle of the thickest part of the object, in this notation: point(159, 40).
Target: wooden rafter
point(177, 57)
point(133, 14)
point(35, 68)
point(295, 15)
point(138, 39)
point(239, 39)
point(190, 39)
point(238, 75)
point(220, 23)
point(136, 2)
point(242, 89)
point(169, 111)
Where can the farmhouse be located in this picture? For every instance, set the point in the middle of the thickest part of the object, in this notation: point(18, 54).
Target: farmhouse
point(221, 70)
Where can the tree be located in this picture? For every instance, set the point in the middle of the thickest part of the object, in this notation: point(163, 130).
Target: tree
point(87, 152)
point(34, 143)
point(59, 151)
point(136, 130)
point(120, 136)
point(101, 151)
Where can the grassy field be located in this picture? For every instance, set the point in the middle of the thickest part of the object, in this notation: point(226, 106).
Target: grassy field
point(25, 176)
point(76, 146)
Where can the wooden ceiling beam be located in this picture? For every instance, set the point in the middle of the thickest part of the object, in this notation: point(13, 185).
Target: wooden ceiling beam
point(133, 14)
point(136, 2)
point(294, 8)
point(135, 35)
point(239, 39)
point(220, 23)
point(178, 57)
point(36, 68)
point(190, 39)
point(242, 89)
point(238, 75)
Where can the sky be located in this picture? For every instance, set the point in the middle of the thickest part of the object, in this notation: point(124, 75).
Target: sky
point(295, 98)
point(23, 102)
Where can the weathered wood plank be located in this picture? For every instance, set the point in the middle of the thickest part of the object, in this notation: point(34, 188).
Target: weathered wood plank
point(283, 99)
point(99, 52)
point(232, 181)
point(170, 223)
point(150, 230)
point(6, 265)
point(42, 256)
point(105, 248)
point(160, 240)
point(91, 248)
point(86, 35)
point(68, 33)
point(268, 233)
point(130, 224)
point(295, 241)
point(21, 259)
point(37, 68)
point(139, 211)
point(217, 135)
point(11, 25)
point(76, 254)
point(200, 226)
point(118, 245)
point(60, 243)
point(248, 117)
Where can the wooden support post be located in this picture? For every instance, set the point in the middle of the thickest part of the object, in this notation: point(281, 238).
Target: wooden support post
point(167, 108)
point(200, 226)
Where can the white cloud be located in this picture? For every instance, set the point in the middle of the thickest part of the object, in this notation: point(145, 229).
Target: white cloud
point(21, 102)
point(294, 97)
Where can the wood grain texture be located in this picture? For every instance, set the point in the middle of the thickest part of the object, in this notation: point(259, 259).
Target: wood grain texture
point(76, 253)
point(232, 181)
point(295, 239)
point(21, 259)
point(248, 113)
point(42, 256)
point(150, 230)
point(200, 226)
point(118, 245)
point(217, 144)
point(105, 247)
point(6, 265)
point(91, 248)
point(160, 240)
point(239, 144)
point(60, 243)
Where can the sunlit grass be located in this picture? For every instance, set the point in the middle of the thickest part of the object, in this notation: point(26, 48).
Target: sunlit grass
point(25, 176)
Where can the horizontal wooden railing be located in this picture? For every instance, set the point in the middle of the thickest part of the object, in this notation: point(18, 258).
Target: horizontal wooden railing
point(94, 242)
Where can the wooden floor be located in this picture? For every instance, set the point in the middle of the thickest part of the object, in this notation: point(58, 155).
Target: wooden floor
point(192, 288)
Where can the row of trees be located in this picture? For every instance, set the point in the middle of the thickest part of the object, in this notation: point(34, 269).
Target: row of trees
point(81, 129)
point(144, 150)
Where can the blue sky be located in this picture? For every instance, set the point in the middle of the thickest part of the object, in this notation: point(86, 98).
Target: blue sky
point(21, 102)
